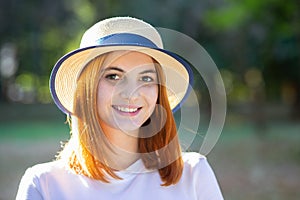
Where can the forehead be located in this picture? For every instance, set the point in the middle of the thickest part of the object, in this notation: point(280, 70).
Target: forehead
point(128, 60)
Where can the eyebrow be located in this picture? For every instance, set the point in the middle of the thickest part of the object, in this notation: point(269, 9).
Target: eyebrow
point(148, 71)
point(114, 68)
point(121, 70)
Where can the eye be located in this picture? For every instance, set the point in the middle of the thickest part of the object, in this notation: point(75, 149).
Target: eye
point(147, 79)
point(113, 77)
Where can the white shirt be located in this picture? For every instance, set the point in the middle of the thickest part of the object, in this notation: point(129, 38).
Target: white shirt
point(54, 181)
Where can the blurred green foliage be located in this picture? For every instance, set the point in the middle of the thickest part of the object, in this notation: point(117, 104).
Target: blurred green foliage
point(256, 44)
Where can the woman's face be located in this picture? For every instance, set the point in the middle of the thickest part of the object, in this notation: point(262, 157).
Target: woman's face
point(127, 91)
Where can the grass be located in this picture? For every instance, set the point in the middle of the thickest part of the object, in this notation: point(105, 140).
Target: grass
point(33, 130)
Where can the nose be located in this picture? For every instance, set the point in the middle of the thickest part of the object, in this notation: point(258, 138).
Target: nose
point(129, 90)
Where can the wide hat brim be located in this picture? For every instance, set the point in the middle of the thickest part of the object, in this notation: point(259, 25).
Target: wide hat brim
point(64, 76)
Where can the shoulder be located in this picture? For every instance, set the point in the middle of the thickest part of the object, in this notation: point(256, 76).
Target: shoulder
point(45, 168)
point(193, 160)
point(197, 164)
point(197, 168)
point(33, 175)
point(198, 173)
point(31, 184)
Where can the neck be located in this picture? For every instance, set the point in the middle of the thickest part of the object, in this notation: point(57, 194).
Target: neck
point(124, 146)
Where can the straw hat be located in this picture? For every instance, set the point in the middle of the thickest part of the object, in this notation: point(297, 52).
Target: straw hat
point(119, 33)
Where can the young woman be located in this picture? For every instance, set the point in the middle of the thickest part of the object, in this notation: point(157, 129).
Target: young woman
point(119, 90)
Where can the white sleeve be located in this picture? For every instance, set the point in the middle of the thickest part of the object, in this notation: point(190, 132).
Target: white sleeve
point(206, 183)
point(29, 187)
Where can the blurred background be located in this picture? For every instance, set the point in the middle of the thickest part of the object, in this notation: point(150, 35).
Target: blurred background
point(254, 43)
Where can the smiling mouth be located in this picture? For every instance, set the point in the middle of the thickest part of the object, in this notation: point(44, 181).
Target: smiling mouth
point(127, 109)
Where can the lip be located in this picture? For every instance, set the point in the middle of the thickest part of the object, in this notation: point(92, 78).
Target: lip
point(127, 110)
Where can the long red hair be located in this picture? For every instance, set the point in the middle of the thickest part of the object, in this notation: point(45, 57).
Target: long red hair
point(85, 151)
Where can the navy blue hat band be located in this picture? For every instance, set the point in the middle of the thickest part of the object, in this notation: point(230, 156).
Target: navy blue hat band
point(125, 39)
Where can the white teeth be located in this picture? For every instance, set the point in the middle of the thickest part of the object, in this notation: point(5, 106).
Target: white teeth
point(125, 109)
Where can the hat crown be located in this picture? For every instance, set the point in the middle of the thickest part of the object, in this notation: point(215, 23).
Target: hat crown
point(117, 25)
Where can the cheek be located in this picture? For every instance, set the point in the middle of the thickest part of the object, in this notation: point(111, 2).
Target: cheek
point(151, 95)
point(103, 95)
